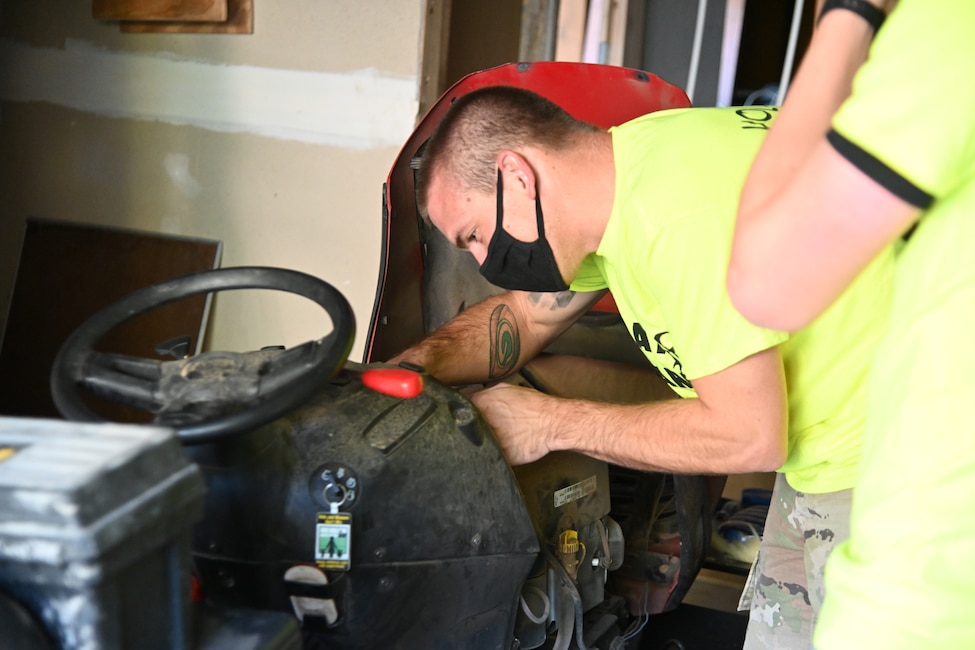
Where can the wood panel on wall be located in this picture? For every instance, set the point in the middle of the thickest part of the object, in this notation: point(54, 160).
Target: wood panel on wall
point(178, 16)
point(68, 272)
point(202, 10)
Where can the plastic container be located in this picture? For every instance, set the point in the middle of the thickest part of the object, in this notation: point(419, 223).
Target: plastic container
point(94, 531)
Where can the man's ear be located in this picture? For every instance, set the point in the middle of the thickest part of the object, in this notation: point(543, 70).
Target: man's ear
point(514, 166)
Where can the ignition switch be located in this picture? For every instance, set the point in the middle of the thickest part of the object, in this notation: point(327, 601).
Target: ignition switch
point(336, 486)
point(334, 493)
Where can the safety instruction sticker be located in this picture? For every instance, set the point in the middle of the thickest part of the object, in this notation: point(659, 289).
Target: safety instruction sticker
point(575, 491)
point(333, 541)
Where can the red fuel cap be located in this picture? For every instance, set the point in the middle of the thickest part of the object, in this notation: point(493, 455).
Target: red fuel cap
point(397, 382)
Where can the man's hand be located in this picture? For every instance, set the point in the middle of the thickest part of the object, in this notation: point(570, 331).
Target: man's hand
point(515, 414)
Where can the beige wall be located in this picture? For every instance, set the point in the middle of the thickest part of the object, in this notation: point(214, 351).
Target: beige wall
point(275, 143)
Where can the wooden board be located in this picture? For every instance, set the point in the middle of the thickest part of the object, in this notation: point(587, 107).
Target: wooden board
point(181, 10)
point(67, 272)
point(239, 20)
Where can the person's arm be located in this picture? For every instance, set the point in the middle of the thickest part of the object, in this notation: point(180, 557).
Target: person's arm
point(738, 423)
point(808, 220)
point(496, 337)
point(802, 250)
point(837, 50)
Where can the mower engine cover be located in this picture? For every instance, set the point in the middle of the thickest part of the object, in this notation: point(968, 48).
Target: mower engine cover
point(383, 521)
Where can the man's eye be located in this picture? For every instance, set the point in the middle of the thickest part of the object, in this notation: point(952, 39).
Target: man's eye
point(471, 238)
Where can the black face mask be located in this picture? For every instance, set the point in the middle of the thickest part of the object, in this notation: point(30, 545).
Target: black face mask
point(514, 264)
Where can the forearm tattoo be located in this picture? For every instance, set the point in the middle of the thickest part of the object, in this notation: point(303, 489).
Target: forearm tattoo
point(505, 342)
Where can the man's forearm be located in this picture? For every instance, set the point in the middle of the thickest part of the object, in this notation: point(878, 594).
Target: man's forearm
point(677, 435)
point(738, 423)
point(483, 343)
point(496, 337)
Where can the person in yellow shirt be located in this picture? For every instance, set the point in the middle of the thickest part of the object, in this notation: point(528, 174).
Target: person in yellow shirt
point(558, 212)
point(866, 151)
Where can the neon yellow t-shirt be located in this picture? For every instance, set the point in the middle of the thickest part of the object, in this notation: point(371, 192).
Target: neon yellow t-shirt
point(906, 577)
point(664, 256)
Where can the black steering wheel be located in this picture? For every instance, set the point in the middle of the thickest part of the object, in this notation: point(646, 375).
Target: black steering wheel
point(215, 394)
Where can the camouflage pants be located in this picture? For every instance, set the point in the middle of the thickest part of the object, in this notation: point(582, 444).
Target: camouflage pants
point(784, 590)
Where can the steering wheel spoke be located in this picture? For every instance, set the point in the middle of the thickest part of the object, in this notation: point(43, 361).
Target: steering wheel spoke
point(123, 379)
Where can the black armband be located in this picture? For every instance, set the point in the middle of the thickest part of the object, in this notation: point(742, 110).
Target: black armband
point(873, 15)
